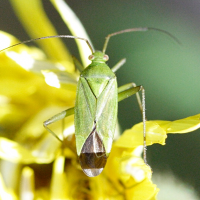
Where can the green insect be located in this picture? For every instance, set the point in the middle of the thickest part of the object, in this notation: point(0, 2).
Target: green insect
point(95, 111)
point(96, 107)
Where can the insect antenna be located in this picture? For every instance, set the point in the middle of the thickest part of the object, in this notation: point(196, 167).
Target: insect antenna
point(136, 30)
point(48, 37)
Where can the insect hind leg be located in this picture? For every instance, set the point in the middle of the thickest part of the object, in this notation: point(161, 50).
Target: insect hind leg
point(128, 90)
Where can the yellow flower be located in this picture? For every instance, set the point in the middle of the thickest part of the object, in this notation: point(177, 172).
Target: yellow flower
point(36, 84)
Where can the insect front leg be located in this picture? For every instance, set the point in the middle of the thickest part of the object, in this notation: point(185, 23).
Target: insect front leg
point(128, 90)
point(56, 118)
point(78, 64)
point(118, 65)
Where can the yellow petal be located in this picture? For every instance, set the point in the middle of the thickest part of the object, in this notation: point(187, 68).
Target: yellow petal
point(76, 28)
point(31, 59)
point(145, 190)
point(134, 136)
point(126, 171)
point(154, 197)
point(23, 93)
point(7, 40)
point(43, 145)
point(58, 79)
point(183, 125)
point(133, 170)
point(5, 193)
point(156, 131)
point(14, 152)
point(59, 182)
point(37, 24)
point(27, 184)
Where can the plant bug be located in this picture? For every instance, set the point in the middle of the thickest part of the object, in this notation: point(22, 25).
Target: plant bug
point(96, 105)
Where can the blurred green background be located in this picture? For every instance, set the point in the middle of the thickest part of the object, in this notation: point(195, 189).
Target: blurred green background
point(169, 72)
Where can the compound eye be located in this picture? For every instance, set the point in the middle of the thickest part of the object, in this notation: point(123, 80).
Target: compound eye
point(105, 57)
point(91, 57)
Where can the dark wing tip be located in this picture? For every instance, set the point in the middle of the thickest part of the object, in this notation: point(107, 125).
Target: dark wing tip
point(93, 155)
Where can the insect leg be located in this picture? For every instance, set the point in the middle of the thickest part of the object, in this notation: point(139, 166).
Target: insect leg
point(128, 90)
point(127, 86)
point(118, 65)
point(56, 118)
point(78, 64)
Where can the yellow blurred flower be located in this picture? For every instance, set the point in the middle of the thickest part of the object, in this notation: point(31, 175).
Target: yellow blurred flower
point(39, 83)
